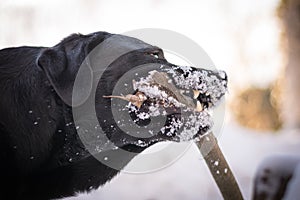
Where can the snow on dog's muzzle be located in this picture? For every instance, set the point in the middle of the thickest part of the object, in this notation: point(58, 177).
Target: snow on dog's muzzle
point(184, 95)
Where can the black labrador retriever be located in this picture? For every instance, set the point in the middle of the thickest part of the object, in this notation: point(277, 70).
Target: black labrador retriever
point(42, 153)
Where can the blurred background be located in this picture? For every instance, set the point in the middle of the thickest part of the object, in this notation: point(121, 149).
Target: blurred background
point(256, 42)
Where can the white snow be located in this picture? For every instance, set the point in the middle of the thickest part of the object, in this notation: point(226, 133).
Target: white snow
point(216, 163)
point(143, 115)
point(189, 178)
point(199, 80)
point(225, 170)
point(191, 121)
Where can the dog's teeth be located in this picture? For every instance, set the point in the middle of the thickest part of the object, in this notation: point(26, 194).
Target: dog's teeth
point(199, 107)
point(196, 93)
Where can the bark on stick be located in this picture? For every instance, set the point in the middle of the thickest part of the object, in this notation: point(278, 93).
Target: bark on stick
point(218, 167)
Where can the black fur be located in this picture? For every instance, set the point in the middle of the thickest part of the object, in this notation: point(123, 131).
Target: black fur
point(37, 133)
point(42, 154)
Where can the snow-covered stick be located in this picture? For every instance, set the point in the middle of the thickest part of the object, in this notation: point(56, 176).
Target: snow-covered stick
point(219, 168)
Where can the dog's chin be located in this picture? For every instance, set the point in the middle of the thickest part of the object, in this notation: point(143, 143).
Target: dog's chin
point(178, 124)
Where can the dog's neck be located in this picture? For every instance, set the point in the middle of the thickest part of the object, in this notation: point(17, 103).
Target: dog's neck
point(72, 146)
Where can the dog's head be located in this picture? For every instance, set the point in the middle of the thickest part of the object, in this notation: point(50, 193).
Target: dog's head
point(140, 98)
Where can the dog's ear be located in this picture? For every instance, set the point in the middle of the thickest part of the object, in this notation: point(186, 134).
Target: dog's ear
point(61, 67)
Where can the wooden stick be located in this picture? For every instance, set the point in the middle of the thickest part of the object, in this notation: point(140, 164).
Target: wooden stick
point(136, 99)
point(219, 168)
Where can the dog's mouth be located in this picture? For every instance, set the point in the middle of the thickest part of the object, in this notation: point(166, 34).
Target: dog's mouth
point(183, 95)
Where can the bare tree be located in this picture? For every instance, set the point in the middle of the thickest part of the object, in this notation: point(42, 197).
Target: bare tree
point(289, 12)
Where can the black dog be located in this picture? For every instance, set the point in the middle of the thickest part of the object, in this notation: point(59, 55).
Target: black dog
point(42, 155)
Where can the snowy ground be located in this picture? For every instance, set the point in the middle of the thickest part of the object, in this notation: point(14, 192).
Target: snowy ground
point(188, 178)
